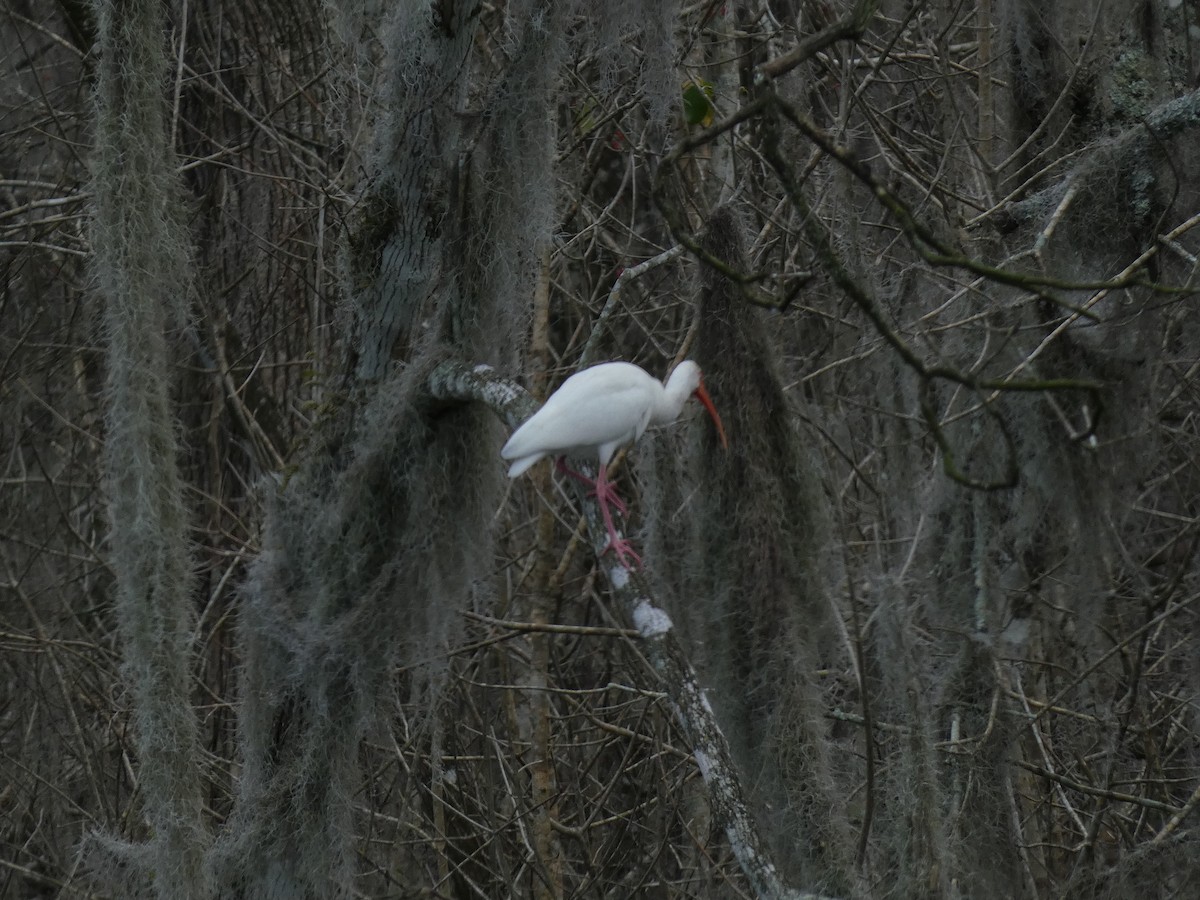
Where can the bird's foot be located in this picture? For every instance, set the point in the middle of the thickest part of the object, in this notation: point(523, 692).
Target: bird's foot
point(626, 555)
point(605, 493)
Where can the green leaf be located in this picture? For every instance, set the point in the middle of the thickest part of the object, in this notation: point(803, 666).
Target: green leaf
point(697, 103)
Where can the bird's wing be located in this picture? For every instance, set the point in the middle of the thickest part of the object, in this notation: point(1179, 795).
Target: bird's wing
point(585, 414)
point(521, 465)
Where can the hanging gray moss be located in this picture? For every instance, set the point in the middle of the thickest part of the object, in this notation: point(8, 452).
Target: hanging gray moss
point(739, 534)
point(380, 540)
point(143, 273)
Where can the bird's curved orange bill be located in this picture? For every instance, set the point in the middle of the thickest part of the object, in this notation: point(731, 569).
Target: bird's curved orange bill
point(702, 395)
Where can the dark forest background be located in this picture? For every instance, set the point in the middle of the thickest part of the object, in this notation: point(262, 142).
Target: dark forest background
point(275, 624)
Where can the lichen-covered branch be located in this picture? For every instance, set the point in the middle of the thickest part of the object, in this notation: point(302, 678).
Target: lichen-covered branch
point(453, 381)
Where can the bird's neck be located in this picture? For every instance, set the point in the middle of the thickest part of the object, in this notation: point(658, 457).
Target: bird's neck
point(669, 404)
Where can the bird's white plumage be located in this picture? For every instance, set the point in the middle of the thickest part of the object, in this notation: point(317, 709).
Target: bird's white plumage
point(597, 411)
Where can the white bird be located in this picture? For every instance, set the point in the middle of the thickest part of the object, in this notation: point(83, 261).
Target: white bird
point(597, 411)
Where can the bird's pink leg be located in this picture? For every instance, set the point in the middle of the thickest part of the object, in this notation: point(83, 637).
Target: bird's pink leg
point(605, 494)
point(561, 465)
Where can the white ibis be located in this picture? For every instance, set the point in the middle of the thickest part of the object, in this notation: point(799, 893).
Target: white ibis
point(598, 410)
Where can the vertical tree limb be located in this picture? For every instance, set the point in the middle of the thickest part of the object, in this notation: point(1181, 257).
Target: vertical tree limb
point(544, 786)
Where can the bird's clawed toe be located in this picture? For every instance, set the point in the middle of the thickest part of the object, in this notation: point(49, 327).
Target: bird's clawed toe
point(626, 555)
point(608, 494)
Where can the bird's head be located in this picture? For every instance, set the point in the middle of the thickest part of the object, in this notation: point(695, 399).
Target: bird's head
point(689, 374)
